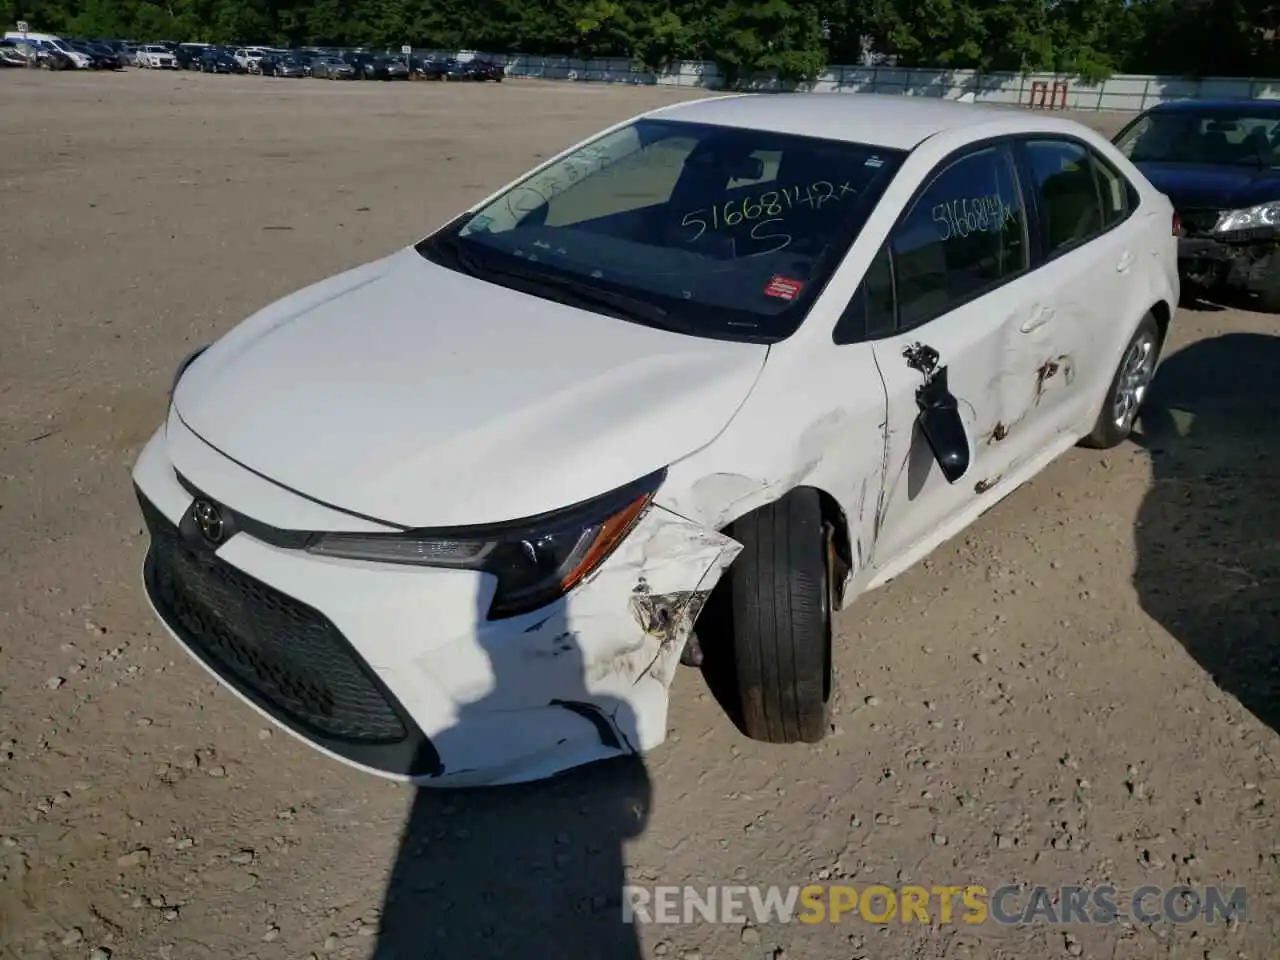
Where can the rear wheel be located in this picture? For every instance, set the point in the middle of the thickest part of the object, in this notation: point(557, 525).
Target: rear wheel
point(1128, 388)
point(782, 588)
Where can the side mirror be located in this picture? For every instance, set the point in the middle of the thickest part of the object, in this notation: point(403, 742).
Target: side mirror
point(939, 417)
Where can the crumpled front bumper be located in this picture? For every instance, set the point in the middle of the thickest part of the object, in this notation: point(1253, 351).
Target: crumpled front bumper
point(1247, 266)
point(395, 670)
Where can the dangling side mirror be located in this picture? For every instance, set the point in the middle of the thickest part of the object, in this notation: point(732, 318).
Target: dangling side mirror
point(939, 418)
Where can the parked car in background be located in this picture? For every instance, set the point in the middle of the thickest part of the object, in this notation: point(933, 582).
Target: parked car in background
point(100, 57)
point(1219, 162)
point(482, 70)
point(249, 58)
point(383, 68)
point(54, 59)
point(127, 52)
point(15, 53)
point(188, 55)
point(332, 68)
point(218, 60)
point(455, 69)
point(427, 68)
point(357, 59)
point(304, 57)
point(119, 59)
point(48, 42)
point(288, 65)
point(153, 56)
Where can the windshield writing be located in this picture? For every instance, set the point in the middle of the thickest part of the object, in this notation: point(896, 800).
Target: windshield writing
point(727, 230)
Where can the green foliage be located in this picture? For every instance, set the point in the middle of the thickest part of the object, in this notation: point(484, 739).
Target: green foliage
point(747, 39)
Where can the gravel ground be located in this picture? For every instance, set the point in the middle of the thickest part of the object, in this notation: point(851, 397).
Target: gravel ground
point(1080, 689)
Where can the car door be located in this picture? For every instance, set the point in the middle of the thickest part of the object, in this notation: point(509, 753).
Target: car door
point(952, 278)
point(1088, 259)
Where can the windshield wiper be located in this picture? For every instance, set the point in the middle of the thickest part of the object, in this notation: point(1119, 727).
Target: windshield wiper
point(583, 294)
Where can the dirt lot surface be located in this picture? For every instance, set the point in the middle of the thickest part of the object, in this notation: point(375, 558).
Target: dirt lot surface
point(1035, 704)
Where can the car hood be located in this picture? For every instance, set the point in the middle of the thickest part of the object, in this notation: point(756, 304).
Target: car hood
point(1212, 186)
point(415, 395)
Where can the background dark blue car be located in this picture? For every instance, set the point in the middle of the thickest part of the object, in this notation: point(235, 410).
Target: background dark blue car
point(1219, 162)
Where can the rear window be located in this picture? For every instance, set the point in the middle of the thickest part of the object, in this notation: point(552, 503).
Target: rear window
point(730, 231)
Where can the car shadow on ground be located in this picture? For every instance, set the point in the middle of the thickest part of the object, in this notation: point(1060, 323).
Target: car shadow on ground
point(1208, 531)
point(533, 870)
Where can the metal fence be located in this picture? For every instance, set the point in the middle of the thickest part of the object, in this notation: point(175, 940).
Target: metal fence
point(1121, 92)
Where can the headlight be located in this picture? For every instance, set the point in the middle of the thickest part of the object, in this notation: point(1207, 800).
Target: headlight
point(182, 367)
point(1264, 215)
point(535, 561)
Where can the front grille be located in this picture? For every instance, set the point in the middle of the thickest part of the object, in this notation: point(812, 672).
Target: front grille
point(282, 654)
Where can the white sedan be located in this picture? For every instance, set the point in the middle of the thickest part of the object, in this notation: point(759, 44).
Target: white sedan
point(451, 516)
point(155, 57)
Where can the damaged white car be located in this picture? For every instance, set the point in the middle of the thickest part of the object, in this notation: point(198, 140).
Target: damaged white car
point(451, 516)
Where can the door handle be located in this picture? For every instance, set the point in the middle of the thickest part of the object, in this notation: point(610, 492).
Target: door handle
point(1125, 261)
point(1042, 316)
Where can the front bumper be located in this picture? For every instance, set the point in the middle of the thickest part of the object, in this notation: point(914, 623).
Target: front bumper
point(394, 669)
point(1247, 265)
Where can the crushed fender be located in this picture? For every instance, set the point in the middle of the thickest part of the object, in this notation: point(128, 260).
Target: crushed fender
point(669, 618)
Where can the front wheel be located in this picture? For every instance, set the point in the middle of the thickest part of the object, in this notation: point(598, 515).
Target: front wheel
point(1128, 388)
point(782, 589)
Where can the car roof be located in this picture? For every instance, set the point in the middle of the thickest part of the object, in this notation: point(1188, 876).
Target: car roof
point(1261, 107)
point(883, 120)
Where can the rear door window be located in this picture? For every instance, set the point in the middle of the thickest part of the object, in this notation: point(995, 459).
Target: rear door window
point(1115, 192)
point(1063, 177)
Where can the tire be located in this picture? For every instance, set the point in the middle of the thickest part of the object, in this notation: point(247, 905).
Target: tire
point(1133, 377)
point(780, 596)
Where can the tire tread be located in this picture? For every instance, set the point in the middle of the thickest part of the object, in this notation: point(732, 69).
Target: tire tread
point(780, 633)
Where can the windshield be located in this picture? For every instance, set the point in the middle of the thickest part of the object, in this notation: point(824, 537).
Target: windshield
point(1245, 137)
point(714, 231)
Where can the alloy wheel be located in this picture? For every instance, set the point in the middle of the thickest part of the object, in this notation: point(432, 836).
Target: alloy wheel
point(1136, 372)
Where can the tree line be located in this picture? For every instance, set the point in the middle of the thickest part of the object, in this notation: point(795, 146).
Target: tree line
point(794, 39)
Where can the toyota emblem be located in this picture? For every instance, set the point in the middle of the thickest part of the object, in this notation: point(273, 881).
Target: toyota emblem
point(208, 521)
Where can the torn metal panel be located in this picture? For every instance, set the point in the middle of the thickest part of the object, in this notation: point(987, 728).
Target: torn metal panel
point(1221, 266)
point(615, 641)
point(828, 435)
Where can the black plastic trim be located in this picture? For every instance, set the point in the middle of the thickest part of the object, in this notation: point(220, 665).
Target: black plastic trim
point(236, 522)
point(305, 496)
point(585, 511)
point(412, 756)
point(608, 735)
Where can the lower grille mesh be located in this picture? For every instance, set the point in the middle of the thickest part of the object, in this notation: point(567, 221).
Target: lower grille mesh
point(281, 653)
